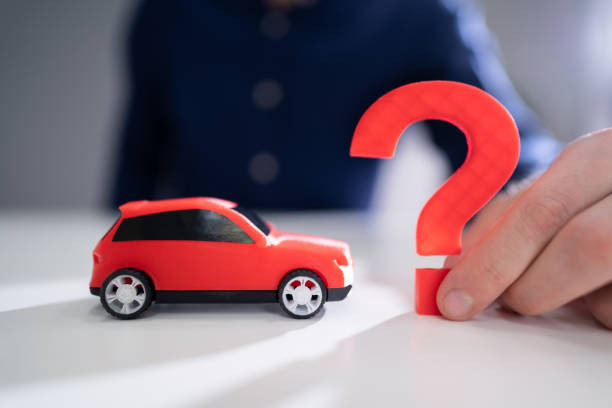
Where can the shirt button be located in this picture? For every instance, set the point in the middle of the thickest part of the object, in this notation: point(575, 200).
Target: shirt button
point(263, 168)
point(267, 94)
point(275, 25)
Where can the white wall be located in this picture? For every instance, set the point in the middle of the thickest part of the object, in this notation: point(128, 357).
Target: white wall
point(559, 55)
point(61, 82)
point(60, 93)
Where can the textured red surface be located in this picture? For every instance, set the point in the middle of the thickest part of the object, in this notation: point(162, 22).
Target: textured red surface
point(493, 151)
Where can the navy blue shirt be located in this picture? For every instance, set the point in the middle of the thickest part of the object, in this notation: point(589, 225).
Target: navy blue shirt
point(231, 99)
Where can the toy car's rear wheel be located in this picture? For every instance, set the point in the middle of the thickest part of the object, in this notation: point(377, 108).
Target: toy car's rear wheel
point(126, 294)
point(302, 294)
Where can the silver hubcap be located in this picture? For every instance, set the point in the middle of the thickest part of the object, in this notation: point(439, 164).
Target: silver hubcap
point(125, 294)
point(302, 295)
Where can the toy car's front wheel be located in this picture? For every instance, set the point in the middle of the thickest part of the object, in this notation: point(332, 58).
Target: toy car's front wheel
point(126, 293)
point(302, 294)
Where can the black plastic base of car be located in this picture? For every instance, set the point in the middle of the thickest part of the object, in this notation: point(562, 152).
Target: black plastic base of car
point(216, 296)
point(336, 294)
point(229, 296)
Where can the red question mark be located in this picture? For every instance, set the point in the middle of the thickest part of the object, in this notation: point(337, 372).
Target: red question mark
point(493, 151)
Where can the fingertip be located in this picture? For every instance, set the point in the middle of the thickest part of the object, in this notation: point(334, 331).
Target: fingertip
point(456, 304)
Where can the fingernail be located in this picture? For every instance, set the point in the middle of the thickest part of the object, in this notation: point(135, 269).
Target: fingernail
point(457, 304)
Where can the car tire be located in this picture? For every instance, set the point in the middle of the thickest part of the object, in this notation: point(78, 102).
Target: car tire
point(126, 294)
point(302, 294)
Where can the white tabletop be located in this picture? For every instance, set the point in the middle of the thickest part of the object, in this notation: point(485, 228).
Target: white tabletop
point(58, 347)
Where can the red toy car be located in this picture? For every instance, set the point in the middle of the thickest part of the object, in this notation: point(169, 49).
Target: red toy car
point(207, 250)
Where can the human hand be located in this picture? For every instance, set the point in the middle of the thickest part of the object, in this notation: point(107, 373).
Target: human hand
point(540, 246)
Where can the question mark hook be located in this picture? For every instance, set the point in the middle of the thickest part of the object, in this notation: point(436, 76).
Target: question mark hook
point(493, 150)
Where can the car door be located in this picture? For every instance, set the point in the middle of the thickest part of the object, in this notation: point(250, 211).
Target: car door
point(213, 253)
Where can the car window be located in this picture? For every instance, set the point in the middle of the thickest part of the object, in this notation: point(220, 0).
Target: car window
point(254, 218)
point(184, 225)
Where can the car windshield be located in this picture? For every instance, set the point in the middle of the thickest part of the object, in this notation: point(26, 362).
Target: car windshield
point(254, 218)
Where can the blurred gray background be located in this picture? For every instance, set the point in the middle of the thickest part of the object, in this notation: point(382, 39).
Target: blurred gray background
point(61, 85)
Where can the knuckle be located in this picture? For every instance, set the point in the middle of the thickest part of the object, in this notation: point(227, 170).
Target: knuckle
point(498, 277)
point(603, 136)
point(592, 242)
point(596, 145)
point(545, 214)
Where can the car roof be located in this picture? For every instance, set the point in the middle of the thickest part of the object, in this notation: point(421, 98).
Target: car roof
point(137, 208)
